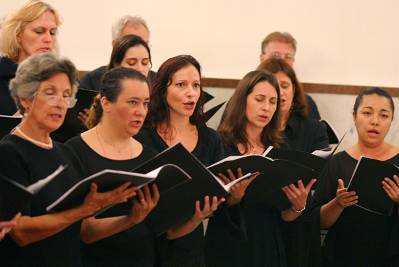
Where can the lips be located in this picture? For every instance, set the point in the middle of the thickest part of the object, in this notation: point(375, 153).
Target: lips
point(56, 117)
point(189, 105)
point(373, 132)
point(136, 123)
point(263, 117)
point(44, 49)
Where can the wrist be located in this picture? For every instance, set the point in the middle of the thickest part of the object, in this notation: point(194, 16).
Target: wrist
point(298, 210)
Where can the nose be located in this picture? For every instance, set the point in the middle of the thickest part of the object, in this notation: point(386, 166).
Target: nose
point(141, 110)
point(141, 68)
point(375, 119)
point(48, 38)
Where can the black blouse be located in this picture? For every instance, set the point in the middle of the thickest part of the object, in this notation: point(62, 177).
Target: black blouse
point(304, 134)
point(133, 247)
point(358, 237)
point(262, 244)
point(26, 163)
point(7, 72)
point(187, 251)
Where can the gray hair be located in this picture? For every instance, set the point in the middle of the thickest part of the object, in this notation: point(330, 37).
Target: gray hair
point(118, 26)
point(36, 69)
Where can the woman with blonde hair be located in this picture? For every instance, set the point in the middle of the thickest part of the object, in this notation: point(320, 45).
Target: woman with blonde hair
point(31, 29)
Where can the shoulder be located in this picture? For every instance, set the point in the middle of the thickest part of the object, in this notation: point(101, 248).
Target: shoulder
point(208, 133)
point(7, 67)
point(92, 79)
point(75, 142)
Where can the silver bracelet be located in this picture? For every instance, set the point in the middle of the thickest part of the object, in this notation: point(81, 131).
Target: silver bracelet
point(298, 211)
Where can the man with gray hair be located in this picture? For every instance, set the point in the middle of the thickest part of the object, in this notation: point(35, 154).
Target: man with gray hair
point(125, 25)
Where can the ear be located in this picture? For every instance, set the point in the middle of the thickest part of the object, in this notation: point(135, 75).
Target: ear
point(262, 58)
point(105, 104)
point(26, 103)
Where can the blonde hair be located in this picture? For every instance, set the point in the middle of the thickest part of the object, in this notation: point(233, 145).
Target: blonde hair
point(15, 23)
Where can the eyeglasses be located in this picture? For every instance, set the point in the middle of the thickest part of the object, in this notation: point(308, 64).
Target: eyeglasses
point(286, 56)
point(53, 99)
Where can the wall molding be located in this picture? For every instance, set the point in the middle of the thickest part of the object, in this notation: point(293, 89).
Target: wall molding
point(309, 87)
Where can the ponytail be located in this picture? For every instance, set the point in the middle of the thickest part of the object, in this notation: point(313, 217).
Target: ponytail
point(95, 113)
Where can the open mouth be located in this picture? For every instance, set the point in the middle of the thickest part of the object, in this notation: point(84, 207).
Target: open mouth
point(373, 132)
point(136, 123)
point(189, 105)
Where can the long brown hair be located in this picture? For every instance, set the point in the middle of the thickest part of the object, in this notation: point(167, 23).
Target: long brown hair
point(299, 102)
point(232, 129)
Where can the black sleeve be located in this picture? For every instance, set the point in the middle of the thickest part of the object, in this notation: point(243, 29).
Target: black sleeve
point(313, 110)
point(218, 148)
point(13, 166)
point(92, 79)
point(320, 140)
point(327, 185)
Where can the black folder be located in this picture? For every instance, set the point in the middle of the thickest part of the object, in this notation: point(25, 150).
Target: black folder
point(307, 159)
point(14, 196)
point(167, 177)
point(178, 205)
point(72, 126)
point(8, 123)
point(274, 174)
point(367, 180)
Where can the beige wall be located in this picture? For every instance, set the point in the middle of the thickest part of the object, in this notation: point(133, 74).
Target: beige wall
point(344, 42)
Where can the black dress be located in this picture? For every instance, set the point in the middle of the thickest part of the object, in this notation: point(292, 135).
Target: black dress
point(26, 163)
point(187, 251)
point(358, 237)
point(305, 134)
point(133, 247)
point(7, 72)
point(302, 236)
point(262, 243)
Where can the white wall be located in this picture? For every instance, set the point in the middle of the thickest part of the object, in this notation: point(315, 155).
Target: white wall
point(345, 42)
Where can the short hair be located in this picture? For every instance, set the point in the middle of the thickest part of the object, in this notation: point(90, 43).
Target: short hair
point(36, 69)
point(16, 22)
point(122, 45)
point(299, 101)
point(283, 37)
point(111, 88)
point(373, 91)
point(159, 110)
point(121, 23)
point(232, 128)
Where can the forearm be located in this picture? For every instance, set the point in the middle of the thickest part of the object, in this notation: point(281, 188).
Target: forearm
point(289, 215)
point(32, 229)
point(96, 229)
point(329, 214)
point(183, 229)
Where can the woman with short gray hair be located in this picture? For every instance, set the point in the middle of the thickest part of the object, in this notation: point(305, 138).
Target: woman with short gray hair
point(44, 89)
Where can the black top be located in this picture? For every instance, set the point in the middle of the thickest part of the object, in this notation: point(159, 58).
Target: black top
point(303, 134)
point(187, 251)
point(313, 111)
point(263, 243)
point(92, 79)
point(133, 247)
point(358, 237)
point(26, 163)
point(7, 72)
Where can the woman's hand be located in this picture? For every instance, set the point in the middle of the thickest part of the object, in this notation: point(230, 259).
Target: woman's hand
point(344, 198)
point(392, 188)
point(237, 191)
point(6, 226)
point(143, 204)
point(198, 217)
point(95, 201)
point(298, 195)
point(82, 116)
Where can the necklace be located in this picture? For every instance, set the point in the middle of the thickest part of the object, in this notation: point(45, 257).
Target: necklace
point(118, 151)
point(48, 145)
